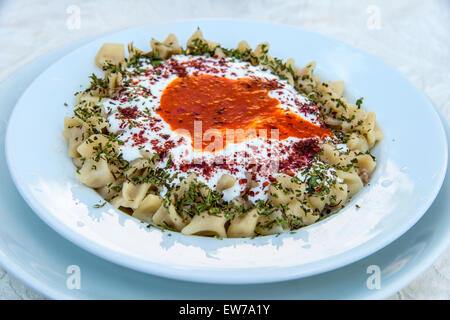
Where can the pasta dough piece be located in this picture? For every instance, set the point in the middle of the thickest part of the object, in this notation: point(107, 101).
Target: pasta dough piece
point(148, 207)
point(286, 73)
point(279, 197)
point(88, 98)
point(73, 134)
point(218, 53)
point(110, 53)
point(111, 190)
point(114, 80)
point(305, 80)
point(338, 195)
point(289, 71)
point(95, 174)
point(285, 190)
point(290, 64)
point(378, 133)
point(365, 165)
point(197, 37)
point(138, 167)
point(261, 50)
point(371, 130)
point(268, 224)
point(337, 87)
point(329, 154)
point(357, 142)
point(317, 202)
point(225, 182)
point(163, 50)
point(100, 124)
point(243, 46)
point(353, 116)
point(329, 99)
point(78, 162)
point(352, 180)
point(240, 202)
point(117, 201)
point(368, 128)
point(206, 225)
point(184, 185)
point(243, 226)
point(133, 194)
point(168, 217)
point(298, 216)
point(146, 155)
point(93, 145)
point(366, 162)
point(133, 51)
point(261, 56)
point(332, 122)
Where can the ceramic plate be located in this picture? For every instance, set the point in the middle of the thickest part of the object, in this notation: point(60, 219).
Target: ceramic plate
point(36, 255)
point(412, 162)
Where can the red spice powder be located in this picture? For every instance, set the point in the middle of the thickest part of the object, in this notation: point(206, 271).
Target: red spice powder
point(128, 113)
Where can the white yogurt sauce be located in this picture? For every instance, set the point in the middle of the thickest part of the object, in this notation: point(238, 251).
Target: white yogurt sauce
point(148, 131)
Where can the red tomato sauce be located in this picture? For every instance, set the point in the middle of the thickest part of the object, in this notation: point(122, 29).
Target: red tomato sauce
point(222, 103)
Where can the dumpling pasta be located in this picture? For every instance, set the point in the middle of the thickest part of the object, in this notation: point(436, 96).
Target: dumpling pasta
point(219, 142)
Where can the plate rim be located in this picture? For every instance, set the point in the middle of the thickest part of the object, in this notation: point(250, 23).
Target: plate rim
point(211, 276)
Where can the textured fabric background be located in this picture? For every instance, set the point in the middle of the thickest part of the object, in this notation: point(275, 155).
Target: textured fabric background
point(412, 35)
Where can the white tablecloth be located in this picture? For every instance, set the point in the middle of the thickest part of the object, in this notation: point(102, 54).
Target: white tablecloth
point(412, 35)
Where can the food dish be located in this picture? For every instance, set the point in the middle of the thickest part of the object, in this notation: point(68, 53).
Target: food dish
point(392, 206)
point(221, 142)
point(38, 256)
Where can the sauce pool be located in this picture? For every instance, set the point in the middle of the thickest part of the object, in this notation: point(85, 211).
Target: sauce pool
point(221, 103)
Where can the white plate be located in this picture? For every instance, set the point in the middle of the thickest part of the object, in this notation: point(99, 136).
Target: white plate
point(412, 161)
point(36, 255)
